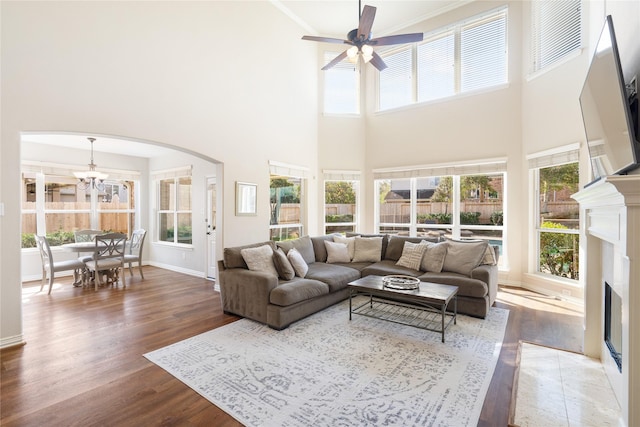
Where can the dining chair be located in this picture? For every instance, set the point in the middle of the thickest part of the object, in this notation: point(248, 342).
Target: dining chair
point(82, 236)
point(108, 256)
point(50, 267)
point(134, 251)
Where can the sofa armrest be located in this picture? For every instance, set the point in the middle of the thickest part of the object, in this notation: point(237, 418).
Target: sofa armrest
point(489, 275)
point(246, 292)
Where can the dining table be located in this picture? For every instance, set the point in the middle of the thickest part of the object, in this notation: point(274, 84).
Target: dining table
point(80, 247)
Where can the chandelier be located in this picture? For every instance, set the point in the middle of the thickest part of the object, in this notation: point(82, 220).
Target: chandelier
point(91, 178)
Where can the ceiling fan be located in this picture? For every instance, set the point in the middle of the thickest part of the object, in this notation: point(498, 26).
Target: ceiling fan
point(361, 42)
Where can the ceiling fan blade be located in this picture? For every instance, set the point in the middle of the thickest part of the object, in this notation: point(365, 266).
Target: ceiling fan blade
point(377, 62)
point(324, 39)
point(398, 39)
point(366, 21)
point(335, 60)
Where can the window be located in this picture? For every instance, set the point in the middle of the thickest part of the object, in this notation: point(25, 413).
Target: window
point(467, 56)
point(556, 31)
point(287, 201)
point(340, 205)
point(557, 215)
point(341, 94)
point(55, 206)
point(174, 223)
point(446, 206)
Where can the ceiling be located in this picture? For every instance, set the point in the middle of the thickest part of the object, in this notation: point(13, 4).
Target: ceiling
point(329, 18)
point(335, 18)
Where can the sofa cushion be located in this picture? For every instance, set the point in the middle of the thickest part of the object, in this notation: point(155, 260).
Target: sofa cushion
point(337, 252)
point(412, 255)
point(396, 246)
point(318, 247)
point(232, 258)
point(260, 259)
point(467, 287)
point(433, 258)
point(283, 266)
point(462, 257)
point(303, 245)
point(335, 276)
point(294, 291)
point(385, 239)
point(349, 241)
point(298, 263)
point(367, 249)
point(387, 267)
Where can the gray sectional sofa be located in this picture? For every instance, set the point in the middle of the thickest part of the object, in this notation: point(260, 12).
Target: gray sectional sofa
point(264, 289)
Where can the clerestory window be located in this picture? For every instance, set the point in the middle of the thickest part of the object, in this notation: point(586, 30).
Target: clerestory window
point(467, 56)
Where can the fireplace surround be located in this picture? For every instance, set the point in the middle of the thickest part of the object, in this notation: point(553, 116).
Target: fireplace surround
point(610, 252)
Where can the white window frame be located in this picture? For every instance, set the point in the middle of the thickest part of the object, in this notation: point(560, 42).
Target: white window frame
point(536, 161)
point(551, 48)
point(330, 92)
point(352, 177)
point(456, 29)
point(296, 172)
point(175, 175)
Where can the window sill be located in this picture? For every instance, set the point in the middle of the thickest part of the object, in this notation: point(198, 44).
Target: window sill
point(183, 246)
point(535, 74)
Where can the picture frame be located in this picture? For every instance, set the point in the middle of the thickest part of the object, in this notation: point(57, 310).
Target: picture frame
point(246, 199)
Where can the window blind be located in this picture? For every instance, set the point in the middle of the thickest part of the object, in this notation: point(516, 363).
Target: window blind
point(459, 168)
point(284, 169)
point(554, 157)
point(172, 173)
point(341, 94)
point(54, 169)
point(556, 31)
point(341, 175)
point(396, 87)
point(436, 67)
point(483, 53)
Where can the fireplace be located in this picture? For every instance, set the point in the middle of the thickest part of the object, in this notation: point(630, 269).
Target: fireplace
point(609, 229)
point(613, 324)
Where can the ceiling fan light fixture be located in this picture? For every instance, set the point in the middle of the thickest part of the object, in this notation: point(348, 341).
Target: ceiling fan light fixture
point(352, 54)
point(367, 53)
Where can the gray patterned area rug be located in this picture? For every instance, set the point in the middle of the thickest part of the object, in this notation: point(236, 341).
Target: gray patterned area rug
point(328, 371)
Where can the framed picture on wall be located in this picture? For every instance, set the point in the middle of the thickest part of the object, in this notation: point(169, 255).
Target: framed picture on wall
point(246, 198)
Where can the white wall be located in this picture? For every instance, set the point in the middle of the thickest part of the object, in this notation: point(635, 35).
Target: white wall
point(229, 80)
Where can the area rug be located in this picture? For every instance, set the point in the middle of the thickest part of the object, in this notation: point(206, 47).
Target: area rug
point(326, 370)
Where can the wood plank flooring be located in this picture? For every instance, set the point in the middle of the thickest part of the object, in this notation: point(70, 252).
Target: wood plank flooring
point(83, 364)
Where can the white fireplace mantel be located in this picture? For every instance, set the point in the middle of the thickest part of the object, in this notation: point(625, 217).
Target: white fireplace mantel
point(610, 251)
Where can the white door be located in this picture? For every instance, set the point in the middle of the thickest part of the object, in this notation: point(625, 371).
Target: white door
point(211, 228)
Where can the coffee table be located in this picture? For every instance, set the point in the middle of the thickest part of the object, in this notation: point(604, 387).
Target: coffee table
point(424, 308)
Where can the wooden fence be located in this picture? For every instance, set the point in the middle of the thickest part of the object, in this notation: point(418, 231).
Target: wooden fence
point(71, 221)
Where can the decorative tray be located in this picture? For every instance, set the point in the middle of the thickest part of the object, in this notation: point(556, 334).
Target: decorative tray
point(398, 281)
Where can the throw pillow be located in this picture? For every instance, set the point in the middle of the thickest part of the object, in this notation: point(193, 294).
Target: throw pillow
point(303, 245)
point(337, 252)
point(462, 257)
point(259, 259)
point(283, 266)
point(367, 249)
point(433, 258)
point(489, 256)
point(349, 241)
point(412, 255)
point(297, 261)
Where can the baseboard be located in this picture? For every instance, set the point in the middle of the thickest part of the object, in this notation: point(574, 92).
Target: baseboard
point(177, 269)
point(14, 341)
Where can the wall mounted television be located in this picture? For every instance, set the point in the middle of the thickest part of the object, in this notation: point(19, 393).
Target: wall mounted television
point(606, 111)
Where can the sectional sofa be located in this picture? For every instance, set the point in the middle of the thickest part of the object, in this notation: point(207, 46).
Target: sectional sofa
point(280, 283)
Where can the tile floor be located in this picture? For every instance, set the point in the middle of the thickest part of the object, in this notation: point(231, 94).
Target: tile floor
point(563, 389)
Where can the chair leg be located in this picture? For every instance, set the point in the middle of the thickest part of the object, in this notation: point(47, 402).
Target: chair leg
point(140, 268)
point(50, 282)
point(44, 279)
point(130, 270)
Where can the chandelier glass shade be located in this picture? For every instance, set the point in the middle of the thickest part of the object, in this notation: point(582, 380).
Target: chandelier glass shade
point(91, 178)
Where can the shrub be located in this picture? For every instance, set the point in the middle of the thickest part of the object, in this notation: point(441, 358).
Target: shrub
point(439, 218)
point(558, 252)
point(339, 218)
point(469, 218)
point(497, 218)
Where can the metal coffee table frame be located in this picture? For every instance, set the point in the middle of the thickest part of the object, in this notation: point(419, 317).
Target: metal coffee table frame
point(423, 308)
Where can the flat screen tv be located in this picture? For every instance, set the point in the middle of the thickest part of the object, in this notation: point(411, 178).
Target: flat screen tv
point(606, 111)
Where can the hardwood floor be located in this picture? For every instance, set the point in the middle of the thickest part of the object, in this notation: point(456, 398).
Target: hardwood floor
point(83, 363)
